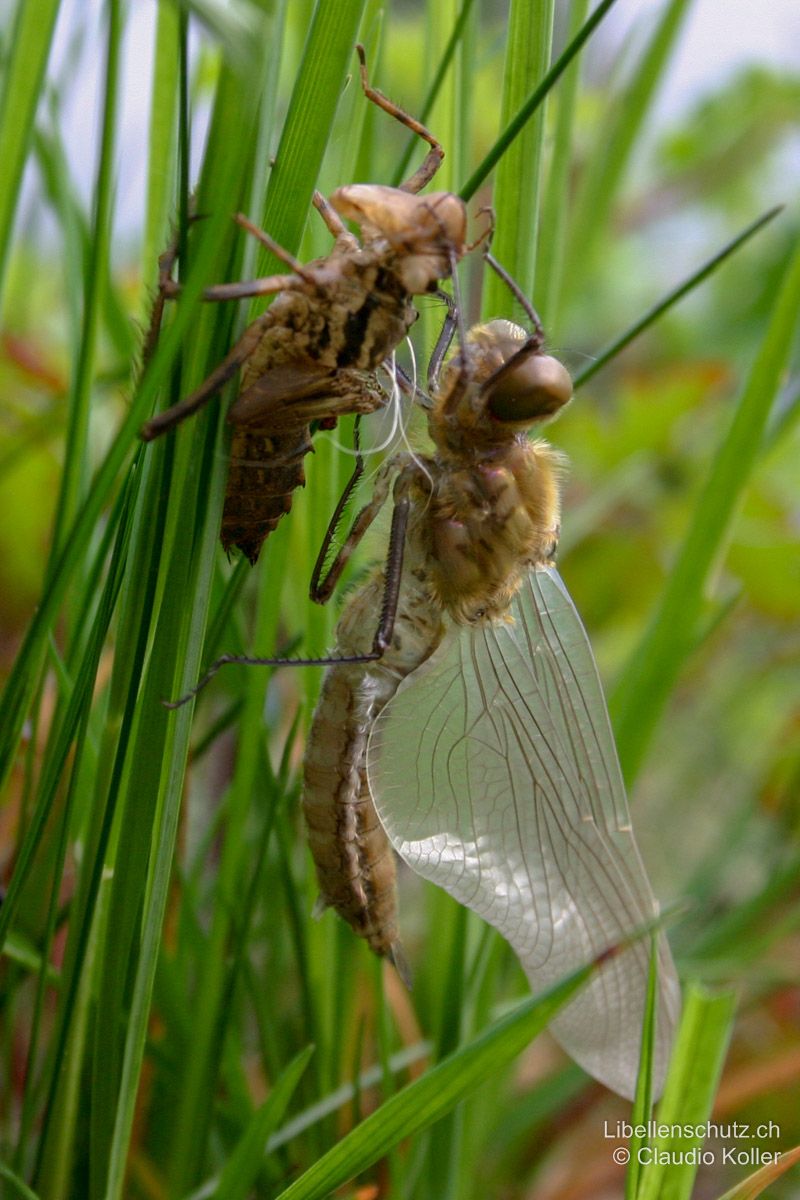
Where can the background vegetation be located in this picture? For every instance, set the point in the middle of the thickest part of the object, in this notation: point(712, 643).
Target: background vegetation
point(162, 982)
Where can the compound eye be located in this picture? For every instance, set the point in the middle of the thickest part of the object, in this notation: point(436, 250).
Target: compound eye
point(534, 390)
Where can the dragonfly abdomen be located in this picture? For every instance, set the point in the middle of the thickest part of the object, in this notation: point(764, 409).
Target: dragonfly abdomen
point(353, 858)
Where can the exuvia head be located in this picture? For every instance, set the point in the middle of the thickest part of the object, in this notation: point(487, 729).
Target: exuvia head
point(426, 234)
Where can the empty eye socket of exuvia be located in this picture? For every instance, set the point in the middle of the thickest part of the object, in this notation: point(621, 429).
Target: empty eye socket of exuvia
point(536, 389)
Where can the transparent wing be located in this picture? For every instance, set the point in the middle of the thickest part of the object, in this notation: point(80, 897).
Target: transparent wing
point(495, 775)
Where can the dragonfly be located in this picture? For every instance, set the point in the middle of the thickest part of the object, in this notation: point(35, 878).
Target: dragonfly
point(469, 733)
point(313, 355)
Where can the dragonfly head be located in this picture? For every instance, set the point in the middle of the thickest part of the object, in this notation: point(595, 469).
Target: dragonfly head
point(500, 384)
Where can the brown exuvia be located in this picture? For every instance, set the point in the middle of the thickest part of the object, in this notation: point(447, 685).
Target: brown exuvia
point(312, 356)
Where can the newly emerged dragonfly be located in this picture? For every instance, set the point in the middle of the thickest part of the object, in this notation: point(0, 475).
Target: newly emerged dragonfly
point(470, 733)
point(312, 356)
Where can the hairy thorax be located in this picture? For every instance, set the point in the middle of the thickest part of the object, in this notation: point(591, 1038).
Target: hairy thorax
point(488, 522)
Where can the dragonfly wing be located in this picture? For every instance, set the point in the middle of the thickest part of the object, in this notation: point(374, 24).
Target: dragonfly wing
point(495, 775)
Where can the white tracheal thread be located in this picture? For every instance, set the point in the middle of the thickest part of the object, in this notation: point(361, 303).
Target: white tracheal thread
point(399, 426)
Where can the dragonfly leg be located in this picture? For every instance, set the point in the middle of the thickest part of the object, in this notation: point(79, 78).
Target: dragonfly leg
point(274, 247)
point(318, 592)
point(166, 265)
point(391, 591)
point(334, 223)
point(226, 370)
point(268, 285)
point(456, 315)
point(488, 232)
point(433, 159)
point(394, 572)
point(322, 588)
point(443, 342)
point(519, 296)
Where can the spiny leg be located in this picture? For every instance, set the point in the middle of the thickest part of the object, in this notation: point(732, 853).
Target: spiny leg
point(166, 264)
point(534, 343)
point(315, 591)
point(383, 634)
point(410, 387)
point(268, 285)
point(443, 342)
point(465, 368)
point(321, 590)
point(219, 376)
point(518, 294)
point(394, 574)
point(274, 247)
point(488, 233)
point(334, 222)
point(433, 159)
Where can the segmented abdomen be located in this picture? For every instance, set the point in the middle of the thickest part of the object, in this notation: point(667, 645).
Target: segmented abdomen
point(264, 470)
point(353, 858)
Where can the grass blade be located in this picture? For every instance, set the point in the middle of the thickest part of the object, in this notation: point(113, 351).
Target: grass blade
point(163, 131)
point(518, 122)
point(434, 1095)
point(242, 1168)
point(74, 474)
point(600, 185)
point(618, 345)
point(453, 41)
point(555, 203)
point(320, 80)
point(642, 692)
point(755, 1184)
point(24, 74)
point(515, 196)
point(689, 1093)
point(643, 1100)
point(21, 1188)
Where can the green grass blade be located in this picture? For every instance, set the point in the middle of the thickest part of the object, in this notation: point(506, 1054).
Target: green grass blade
point(689, 1093)
point(24, 74)
point(643, 1100)
point(641, 693)
point(60, 742)
point(21, 1188)
point(605, 171)
point(755, 1184)
point(327, 55)
point(515, 196)
point(328, 49)
point(151, 798)
point(163, 129)
point(16, 696)
point(423, 1102)
point(74, 473)
point(518, 122)
point(683, 289)
point(458, 31)
point(555, 204)
point(56, 1147)
point(242, 1168)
